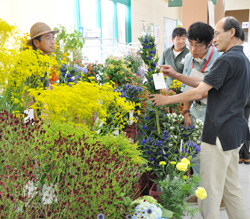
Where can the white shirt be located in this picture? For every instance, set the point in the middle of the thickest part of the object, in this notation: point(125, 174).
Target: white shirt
point(246, 49)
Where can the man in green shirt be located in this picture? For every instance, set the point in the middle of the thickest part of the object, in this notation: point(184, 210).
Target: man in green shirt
point(175, 55)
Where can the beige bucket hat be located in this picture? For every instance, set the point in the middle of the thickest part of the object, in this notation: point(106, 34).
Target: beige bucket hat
point(39, 29)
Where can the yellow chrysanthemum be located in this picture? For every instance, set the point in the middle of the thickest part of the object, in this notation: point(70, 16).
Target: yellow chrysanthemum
point(172, 162)
point(184, 177)
point(201, 193)
point(185, 160)
point(65, 55)
point(162, 163)
point(182, 166)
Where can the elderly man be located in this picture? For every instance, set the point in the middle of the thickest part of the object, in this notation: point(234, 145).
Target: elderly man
point(175, 55)
point(225, 128)
point(42, 37)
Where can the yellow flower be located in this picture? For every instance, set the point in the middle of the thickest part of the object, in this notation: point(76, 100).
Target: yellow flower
point(184, 177)
point(65, 54)
point(182, 166)
point(172, 162)
point(162, 163)
point(30, 47)
point(64, 59)
point(56, 46)
point(201, 193)
point(185, 160)
point(52, 53)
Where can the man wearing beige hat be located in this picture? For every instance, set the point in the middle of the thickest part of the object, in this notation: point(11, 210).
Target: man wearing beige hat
point(42, 37)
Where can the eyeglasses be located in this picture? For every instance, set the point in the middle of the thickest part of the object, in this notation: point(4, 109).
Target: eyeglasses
point(196, 46)
point(216, 34)
point(49, 39)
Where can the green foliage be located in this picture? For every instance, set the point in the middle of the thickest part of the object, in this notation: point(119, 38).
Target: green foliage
point(67, 43)
point(117, 71)
point(174, 193)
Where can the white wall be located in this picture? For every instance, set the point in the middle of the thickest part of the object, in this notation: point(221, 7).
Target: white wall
point(231, 5)
point(24, 13)
point(236, 5)
point(152, 11)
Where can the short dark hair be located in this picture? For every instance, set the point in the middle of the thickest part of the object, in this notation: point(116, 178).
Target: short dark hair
point(242, 36)
point(201, 32)
point(179, 31)
point(36, 38)
point(231, 22)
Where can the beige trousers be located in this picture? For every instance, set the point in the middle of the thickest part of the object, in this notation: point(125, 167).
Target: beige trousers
point(220, 177)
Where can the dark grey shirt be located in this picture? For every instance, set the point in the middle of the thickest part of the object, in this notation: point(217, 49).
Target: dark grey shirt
point(230, 79)
point(168, 58)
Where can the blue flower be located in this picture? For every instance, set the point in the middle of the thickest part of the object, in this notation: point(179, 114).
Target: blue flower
point(149, 69)
point(149, 46)
point(144, 127)
point(100, 216)
point(145, 40)
point(69, 75)
point(149, 57)
point(149, 211)
point(143, 141)
point(144, 47)
point(154, 64)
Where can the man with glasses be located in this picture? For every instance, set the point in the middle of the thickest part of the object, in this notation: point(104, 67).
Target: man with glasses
point(175, 55)
point(197, 64)
point(225, 128)
point(42, 37)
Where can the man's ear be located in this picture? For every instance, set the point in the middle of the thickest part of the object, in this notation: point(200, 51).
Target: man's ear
point(232, 32)
point(36, 43)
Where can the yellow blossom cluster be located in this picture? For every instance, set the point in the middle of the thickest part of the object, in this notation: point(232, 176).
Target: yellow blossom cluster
point(83, 102)
point(201, 193)
point(175, 85)
point(183, 165)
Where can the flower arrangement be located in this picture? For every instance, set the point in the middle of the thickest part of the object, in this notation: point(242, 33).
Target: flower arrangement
point(147, 207)
point(83, 102)
point(174, 142)
point(117, 71)
point(177, 186)
point(148, 54)
point(175, 86)
point(58, 175)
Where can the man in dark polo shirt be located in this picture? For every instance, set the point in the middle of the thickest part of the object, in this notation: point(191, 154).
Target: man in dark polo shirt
point(225, 128)
point(175, 55)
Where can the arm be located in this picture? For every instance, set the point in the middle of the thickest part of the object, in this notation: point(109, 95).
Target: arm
point(170, 72)
point(187, 119)
point(193, 94)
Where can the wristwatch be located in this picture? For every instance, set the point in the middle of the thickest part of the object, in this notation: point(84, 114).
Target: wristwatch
point(186, 111)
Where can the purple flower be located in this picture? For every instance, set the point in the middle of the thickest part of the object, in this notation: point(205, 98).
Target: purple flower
point(100, 216)
point(149, 211)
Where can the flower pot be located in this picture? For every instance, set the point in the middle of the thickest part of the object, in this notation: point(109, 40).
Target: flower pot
point(154, 192)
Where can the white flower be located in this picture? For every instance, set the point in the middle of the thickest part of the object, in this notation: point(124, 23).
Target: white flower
point(49, 194)
point(147, 211)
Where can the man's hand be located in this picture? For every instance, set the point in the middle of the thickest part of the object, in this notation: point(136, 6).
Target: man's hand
point(158, 100)
point(168, 70)
point(187, 120)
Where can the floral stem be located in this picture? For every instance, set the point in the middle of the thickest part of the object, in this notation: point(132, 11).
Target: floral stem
point(157, 120)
